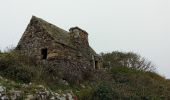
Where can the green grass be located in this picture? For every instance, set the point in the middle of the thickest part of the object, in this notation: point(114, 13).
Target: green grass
point(120, 83)
point(128, 84)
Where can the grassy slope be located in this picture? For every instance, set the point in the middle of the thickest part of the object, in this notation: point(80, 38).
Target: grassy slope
point(120, 83)
point(130, 84)
point(135, 84)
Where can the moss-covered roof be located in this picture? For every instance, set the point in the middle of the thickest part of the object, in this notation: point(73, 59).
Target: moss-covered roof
point(60, 35)
point(57, 33)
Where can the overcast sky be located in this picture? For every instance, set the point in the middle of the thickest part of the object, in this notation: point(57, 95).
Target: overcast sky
point(141, 26)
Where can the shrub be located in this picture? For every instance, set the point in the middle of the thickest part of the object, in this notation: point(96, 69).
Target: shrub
point(12, 67)
point(103, 92)
point(85, 94)
point(129, 59)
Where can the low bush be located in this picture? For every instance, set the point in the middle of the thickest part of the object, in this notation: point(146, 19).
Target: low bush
point(12, 68)
point(85, 93)
point(103, 92)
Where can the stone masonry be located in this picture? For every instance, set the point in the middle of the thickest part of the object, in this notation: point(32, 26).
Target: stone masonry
point(49, 43)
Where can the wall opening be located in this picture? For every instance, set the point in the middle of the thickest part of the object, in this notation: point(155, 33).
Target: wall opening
point(44, 53)
point(97, 65)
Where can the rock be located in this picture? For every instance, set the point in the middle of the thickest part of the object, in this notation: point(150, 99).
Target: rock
point(30, 97)
point(25, 85)
point(44, 95)
point(2, 89)
point(4, 97)
point(52, 98)
point(41, 94)
point(1, 77)
point(69, 96)
point(15, 95)
point(3, 93)
point(41, 86)
point(30, 83)
point(62, 98)
point(64, 82)
point(83, 86)
point(47, 93)
point(6, 80)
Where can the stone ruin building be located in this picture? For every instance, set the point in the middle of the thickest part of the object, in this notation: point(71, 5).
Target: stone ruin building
point(49, 43)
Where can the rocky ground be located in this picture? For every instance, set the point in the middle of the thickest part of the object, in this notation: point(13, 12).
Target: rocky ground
point(10, 90)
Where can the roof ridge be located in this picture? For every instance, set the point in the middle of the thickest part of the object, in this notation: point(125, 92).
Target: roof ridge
point(42, 21)
point(59, 35)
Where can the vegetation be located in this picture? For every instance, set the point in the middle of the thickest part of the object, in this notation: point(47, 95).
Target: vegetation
point(126, 80)
point(127, 76)
point(12, 67)
point(130, 84)
point(129, 59)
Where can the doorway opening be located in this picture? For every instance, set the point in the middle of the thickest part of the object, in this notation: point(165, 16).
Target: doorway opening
point(97, 65)
point(44, 53)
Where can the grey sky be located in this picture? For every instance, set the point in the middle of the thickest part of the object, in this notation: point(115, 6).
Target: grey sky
point(141, 26)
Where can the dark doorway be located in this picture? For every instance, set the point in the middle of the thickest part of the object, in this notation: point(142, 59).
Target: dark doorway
point(96, 65)
point(44, 53)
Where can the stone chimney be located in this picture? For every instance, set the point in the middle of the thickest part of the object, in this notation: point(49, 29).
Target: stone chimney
point(79, 36)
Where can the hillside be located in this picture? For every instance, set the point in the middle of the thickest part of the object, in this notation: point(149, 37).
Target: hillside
point(22, 78)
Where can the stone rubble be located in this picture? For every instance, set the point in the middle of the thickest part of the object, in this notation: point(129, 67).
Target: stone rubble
point(42, 94)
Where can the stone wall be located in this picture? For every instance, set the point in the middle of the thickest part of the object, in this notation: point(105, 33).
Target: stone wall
point(71, 57)
point(36, 38)
point(79, 37)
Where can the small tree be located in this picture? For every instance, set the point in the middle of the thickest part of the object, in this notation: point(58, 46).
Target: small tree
point(130, 59)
